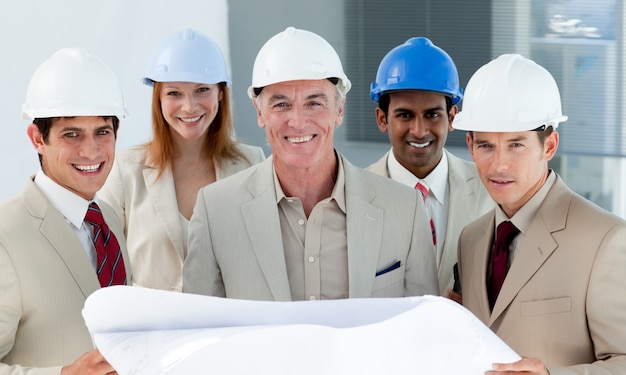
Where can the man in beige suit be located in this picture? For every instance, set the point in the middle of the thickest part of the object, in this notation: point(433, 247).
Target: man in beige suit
point(51, 258)
point(417, 91)
point(554, 289)
point(306, 224)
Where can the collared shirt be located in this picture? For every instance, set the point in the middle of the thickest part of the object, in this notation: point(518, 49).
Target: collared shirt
point(525, 214)
point(438, 193)
point(72, 207)
point(316, 249)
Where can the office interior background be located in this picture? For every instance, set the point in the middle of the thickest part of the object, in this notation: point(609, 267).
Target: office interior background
point(580, 42)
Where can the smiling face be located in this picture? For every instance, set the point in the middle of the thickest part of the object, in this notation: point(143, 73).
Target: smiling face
point(299, 118)
point(189, 108)
point(78, 153)
point(418, 125)
point(512, 166)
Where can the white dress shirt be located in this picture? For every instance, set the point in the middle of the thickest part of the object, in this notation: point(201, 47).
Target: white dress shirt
point(438, 193)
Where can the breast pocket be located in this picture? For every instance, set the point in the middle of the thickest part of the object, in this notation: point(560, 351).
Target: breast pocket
point(388, 279)
point(546, 306)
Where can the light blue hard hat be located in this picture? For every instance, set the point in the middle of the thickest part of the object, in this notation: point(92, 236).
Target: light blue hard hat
point(187, 56)
point(417, 64)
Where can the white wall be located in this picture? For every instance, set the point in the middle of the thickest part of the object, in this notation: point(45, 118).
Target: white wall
point(121, 32)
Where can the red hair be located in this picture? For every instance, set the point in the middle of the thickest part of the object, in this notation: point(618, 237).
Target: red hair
point(219, 138)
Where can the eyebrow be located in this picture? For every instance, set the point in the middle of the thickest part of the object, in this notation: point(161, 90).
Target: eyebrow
point(400, 109)
point(71, 129)
point(277, 97)
point(320, 95)
point(512, 139)
point(517, 139)
point(178, 86)
point(78, 129)
point(433, 109)
point(109, 126)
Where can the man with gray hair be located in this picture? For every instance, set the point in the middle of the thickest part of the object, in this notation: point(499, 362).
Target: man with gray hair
point(306, 224)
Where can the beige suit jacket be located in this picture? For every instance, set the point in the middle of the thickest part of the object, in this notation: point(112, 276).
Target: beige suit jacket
point(236, 248)
point(563, 300)
point(468, 200)
point(148, 211)
point(45, 278)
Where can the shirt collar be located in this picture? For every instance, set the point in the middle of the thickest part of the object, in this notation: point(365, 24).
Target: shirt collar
point(524, 216)
point(338, 194)
point(70, 205)
point(436, 181)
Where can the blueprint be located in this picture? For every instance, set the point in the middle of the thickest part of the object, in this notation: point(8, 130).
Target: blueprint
point(146, 331)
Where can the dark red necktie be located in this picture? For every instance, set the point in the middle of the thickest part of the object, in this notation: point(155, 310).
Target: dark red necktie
point(500, 258)
point(424, 190)
point(110, 263)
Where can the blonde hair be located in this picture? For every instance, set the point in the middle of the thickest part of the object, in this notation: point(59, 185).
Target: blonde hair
point(220, 142)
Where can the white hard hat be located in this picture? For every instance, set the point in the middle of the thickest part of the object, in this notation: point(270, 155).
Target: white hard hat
point(510, 94)
point(296, 54)
point(73, 82)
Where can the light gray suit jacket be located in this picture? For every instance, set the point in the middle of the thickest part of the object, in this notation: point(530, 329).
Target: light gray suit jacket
point(236, 248)
point(563, 300)
point(468, 200)
point(45, 278)
point(148, 211)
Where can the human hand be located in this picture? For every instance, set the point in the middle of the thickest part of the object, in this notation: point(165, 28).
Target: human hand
point(457, 297)
point(525, 365)
point(90, 363)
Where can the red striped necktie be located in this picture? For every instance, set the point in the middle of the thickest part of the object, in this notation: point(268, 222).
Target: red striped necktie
point(110, 263)
point(424, 190)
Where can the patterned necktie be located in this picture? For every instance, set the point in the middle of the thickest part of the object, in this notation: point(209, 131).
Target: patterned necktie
point(110, 263)
point(499, 258)
point(424, 190)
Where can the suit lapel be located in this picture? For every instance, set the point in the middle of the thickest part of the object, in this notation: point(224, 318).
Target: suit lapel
point(265, 230)
point(480, 264)
point(462, 197)
point(364, 226)
point(62, 239)
point(162, 195)
point(537, 246)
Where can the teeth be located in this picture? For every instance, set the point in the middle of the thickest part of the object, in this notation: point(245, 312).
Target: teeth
point(88, 168)
point(419, 145)
point(302, 139)
point(190, 119)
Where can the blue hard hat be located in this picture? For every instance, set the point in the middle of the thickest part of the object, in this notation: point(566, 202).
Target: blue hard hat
point(186, 56)
point(417, 64)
